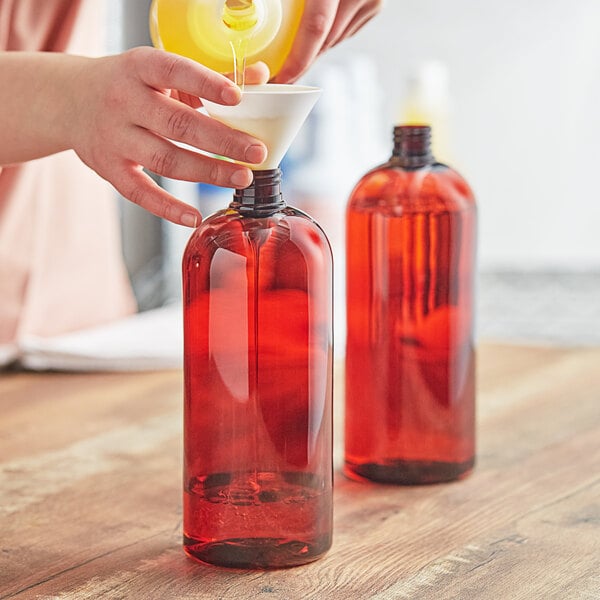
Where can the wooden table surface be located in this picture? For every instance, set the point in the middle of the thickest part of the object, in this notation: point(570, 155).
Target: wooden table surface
point(90, 496)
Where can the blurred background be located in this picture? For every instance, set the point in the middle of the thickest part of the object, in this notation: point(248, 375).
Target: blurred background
point(512, 90)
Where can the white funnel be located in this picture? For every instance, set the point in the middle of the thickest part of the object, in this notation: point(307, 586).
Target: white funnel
point(272, 112)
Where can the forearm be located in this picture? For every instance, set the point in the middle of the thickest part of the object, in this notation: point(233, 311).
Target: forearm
point(36, 99)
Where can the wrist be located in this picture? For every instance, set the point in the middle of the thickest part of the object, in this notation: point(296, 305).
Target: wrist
point(38, 96)
point(66, 96)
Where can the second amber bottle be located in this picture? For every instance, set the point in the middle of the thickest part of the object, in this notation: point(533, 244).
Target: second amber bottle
point(410, 358)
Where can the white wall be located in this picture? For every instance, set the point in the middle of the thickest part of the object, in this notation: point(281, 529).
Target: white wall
point(525, 115)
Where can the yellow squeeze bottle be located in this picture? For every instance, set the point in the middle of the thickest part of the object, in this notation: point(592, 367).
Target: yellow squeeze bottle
point(225, 34)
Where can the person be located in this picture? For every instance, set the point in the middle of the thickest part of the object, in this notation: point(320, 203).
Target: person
point(64, 108)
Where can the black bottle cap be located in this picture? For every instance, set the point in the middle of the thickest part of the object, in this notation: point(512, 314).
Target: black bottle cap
point(412, 146)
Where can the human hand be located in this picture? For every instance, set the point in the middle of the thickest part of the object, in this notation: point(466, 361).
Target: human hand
point(128, 108)
point(324, 24)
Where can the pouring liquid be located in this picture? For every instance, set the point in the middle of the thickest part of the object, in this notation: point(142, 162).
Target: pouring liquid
point(210, 31)
point(239, 50)
point(240, 16)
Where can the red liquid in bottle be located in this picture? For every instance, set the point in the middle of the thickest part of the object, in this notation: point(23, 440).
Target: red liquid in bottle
point(258, 384)
point(410, 361)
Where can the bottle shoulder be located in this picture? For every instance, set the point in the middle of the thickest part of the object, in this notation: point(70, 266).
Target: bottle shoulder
point(435, 187)
point(232, 230)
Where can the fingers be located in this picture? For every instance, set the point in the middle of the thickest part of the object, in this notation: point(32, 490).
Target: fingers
point(357, 23)
point(316, 23)
point(325, 23)
point(164, 158)
point(343, 18)
point(132, 183)
point(145, 149)
point(162, 70)
point(176, 121)
point(192, 101)
point(257, 73)
point(128, 122)
point(350, 19)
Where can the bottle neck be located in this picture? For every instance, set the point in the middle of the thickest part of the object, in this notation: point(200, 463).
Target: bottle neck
point(412, 146)
point(240, 15)
point(262, 197)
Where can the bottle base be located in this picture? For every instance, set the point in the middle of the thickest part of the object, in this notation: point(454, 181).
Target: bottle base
point(408, 472)
point(257, 519)
point(257, 553)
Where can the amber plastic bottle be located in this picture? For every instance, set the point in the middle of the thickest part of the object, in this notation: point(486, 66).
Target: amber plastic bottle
point(410, 359)
point(258, 384)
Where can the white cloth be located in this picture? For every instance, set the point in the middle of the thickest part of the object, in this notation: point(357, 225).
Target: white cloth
point(145, 341)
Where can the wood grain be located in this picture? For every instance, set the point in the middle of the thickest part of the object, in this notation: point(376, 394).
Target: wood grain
point(90, 503)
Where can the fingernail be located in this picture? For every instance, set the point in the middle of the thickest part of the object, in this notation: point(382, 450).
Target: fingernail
point(256, 154)
point(189, 219)
point(231, 94)
point(239, 179)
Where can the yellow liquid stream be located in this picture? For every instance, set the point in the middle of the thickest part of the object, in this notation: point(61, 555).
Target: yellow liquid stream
point(225, 35)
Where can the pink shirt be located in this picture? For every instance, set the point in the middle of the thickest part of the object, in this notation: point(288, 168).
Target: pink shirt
point(61, 265)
